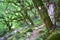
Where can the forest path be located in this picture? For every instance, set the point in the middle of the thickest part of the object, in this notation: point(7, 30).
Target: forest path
point(35, 33)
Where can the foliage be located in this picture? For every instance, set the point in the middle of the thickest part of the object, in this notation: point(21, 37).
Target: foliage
point(14, 14)
point(18, 15)
point(54, 36)
point(23, 16)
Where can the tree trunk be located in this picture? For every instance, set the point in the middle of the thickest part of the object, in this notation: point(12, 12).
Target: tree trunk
point(43, 13)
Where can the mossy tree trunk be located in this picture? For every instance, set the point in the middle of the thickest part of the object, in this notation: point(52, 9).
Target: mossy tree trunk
point(43, 13)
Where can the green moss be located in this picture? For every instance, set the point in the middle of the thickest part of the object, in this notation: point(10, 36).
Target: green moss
point(54, 36)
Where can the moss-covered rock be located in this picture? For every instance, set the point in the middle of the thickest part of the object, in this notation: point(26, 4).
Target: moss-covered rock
point(54, 36)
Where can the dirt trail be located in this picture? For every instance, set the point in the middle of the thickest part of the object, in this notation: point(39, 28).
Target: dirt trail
point(35, 33)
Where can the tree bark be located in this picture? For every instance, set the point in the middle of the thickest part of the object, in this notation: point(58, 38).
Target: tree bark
point(43, 13)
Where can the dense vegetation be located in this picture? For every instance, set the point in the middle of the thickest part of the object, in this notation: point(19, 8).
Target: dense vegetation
point(21, 19)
